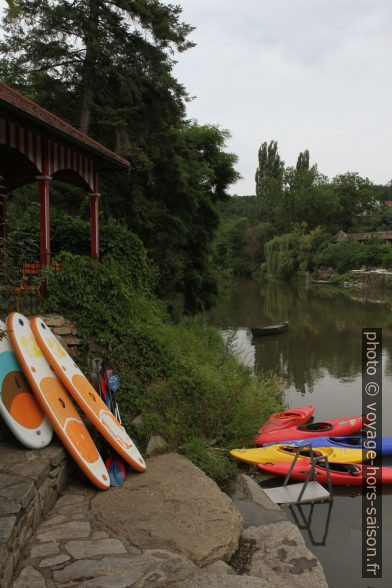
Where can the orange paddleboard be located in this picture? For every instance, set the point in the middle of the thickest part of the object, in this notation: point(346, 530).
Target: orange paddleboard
point(55, 401)
point(85, 395)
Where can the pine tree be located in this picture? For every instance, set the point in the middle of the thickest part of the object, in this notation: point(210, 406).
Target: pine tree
point(85, 49)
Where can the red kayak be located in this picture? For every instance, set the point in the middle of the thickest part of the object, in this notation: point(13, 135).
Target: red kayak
point(288, 418)
point(334, 428)
point(342, 474)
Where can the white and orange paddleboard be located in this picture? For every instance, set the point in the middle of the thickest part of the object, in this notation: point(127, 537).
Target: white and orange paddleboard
point(55, 401)
point(18, 405)
point(85, 395)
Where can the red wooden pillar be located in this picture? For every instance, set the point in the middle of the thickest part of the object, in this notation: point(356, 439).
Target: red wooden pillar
point(44, 198)
point(94, 221)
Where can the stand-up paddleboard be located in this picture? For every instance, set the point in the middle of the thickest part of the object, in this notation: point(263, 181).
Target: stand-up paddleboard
point(55, 401)
point(85, 395)
point(18, 405)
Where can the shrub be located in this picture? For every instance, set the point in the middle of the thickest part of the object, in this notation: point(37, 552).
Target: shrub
point(348, 255)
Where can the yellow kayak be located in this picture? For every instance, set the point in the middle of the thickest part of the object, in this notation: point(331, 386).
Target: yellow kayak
point(277, 453)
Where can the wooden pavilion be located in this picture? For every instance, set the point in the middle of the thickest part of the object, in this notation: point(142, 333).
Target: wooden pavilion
point(35, 147)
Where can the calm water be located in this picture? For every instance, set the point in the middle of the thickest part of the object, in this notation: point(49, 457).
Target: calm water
point(319, 359)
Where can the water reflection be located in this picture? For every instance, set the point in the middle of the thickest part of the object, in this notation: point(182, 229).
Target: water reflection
point(320, 355)
point(303, 517)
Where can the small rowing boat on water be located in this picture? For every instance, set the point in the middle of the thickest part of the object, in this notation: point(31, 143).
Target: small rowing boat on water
point(292, 417)
point(342, 474)
point(270, 329)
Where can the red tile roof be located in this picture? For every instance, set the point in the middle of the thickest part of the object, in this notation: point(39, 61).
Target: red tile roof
point(342, 236)
point(13, 100)
point(385, 235)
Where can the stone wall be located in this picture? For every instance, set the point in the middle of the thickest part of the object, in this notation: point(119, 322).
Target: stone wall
point(64, 330)
point(30, 482)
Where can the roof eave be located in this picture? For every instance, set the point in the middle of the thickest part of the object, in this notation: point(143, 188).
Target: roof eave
point(114, 162)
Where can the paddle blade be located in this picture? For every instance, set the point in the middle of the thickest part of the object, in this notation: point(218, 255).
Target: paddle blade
point(116, 469)
point(104, 391)
point(113, 382)
point(103, 387)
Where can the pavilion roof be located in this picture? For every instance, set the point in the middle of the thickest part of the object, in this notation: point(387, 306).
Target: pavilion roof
point(15, 102)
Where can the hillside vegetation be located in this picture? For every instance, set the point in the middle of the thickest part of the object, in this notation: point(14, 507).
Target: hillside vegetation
point(288, 225)
point(182, 378)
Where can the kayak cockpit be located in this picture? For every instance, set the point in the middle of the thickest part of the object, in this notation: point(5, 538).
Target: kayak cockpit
point(292, 450)
point(315, 427)
point(342, 468)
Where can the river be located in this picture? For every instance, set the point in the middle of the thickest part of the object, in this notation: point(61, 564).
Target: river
point(319, 361)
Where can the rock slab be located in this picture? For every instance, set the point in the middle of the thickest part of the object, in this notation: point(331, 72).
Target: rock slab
point(199, 580)
point(281, 557)
point(172, 506)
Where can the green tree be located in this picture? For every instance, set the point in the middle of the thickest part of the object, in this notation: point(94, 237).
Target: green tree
point(269, 180)
point(89, 49)
point(357, 196)
point(292, 252)
point(270, 170)
point(305, 176)
point(308, 198)
point(177, 213)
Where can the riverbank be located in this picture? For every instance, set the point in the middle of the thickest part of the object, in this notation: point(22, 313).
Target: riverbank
point(171, 526)
point(179, 380)
point(371, 285)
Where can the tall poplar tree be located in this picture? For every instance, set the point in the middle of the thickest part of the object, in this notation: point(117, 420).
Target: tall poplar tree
point(269, 179)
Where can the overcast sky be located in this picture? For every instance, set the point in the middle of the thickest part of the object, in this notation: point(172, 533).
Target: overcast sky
point(312, 74)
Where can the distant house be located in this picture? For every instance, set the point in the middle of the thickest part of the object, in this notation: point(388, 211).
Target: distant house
point(381, 235)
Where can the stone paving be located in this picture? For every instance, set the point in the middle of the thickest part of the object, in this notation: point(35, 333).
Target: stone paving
point(72, 548)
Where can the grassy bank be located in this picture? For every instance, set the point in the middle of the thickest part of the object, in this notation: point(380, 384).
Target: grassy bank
point(181, 378)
